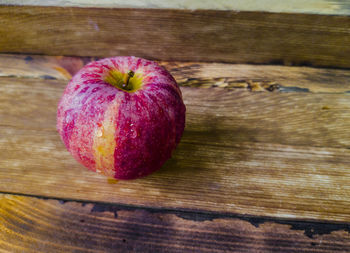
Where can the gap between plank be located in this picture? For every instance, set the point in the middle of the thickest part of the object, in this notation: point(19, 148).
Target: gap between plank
point(310, 227)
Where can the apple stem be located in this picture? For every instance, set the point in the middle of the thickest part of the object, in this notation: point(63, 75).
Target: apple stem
point(130, 74)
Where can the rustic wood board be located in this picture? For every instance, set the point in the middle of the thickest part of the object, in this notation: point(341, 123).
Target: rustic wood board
point(279, 154)
point(194, 74)
point(37, 225)
point(339, 7)
point(185, 35)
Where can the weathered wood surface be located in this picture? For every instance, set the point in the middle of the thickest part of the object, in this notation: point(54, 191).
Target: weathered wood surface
point(195, 74)
point(279, 154)
point(37, 225)
point(337, 7)
point(185, 35)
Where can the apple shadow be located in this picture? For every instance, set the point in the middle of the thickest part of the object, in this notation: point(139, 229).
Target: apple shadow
point(206, 148)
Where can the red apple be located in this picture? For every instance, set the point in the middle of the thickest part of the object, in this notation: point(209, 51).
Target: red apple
point(121, 116)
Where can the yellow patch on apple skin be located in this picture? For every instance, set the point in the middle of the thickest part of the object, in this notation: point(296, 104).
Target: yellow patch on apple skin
point(104, 143)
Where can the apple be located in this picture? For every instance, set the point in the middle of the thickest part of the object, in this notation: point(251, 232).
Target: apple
point(121, 116)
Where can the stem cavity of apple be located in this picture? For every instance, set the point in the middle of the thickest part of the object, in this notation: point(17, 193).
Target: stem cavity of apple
point(130, 75)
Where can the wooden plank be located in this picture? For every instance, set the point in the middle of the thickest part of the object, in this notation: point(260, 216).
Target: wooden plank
point(339, 7)
point(40, 66)
point(38, 225)
point(201, 35)
point(258, 153)
point(195, 74)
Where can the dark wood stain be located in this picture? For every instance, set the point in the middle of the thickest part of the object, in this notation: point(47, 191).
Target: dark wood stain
point(293, 89)
point(310, 228)
point(28, 59)
point(72, 227)
point(48, 77)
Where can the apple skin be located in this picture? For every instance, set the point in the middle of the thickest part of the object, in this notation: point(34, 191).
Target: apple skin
point(121, 134)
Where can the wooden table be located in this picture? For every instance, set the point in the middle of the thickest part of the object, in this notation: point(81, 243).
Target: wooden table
point(264, 163)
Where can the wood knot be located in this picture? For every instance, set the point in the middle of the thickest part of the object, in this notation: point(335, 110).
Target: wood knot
point(262, 85)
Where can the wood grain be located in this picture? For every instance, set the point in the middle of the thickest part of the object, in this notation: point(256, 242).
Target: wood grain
point(332, 7)
point(38, 225)
point(259, 153)
point(201, 35)
point(195, 74)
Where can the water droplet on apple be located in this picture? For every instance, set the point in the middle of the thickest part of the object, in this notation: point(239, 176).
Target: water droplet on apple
point(133, 131)
point(99, 132)
point(134, 134)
